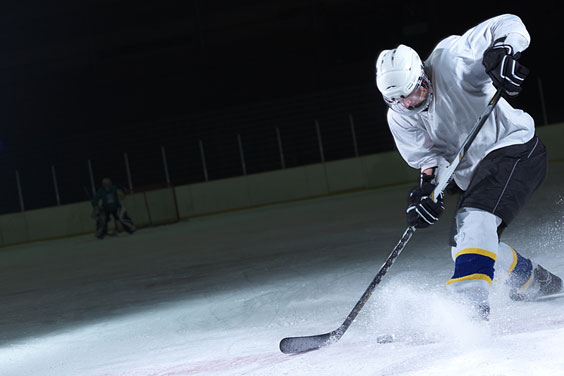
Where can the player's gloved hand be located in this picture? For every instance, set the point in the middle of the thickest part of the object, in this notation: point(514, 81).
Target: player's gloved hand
point(505, 71)
point(422, 211)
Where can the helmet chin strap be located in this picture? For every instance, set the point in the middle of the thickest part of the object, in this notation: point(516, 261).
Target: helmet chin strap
point(428, 99)
point(427, 82)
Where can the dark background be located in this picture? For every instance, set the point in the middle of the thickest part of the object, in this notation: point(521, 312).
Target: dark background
point(84, 80)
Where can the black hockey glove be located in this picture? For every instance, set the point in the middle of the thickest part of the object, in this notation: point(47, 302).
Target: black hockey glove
point(422, 211)
point(504, 69)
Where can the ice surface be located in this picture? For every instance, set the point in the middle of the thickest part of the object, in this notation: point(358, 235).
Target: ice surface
point(214, 296)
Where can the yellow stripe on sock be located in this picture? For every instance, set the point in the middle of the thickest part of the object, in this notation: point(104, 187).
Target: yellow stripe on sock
point(471, 277)
point(477, 251)
point(528, 282)
point(514, 263)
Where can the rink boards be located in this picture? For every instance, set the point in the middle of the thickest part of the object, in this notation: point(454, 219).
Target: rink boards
point(166, 205)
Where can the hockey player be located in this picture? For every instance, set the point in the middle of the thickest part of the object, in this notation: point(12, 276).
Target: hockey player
point(432, 107)
point(110, 196)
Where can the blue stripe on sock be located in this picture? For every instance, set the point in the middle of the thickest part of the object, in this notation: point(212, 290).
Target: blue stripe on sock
point(471, 263)
point(521, 273)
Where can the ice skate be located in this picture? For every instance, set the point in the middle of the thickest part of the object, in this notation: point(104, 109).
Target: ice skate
point(543, 283)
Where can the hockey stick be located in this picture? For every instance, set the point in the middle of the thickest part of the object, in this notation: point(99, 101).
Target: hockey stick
point(294, 345)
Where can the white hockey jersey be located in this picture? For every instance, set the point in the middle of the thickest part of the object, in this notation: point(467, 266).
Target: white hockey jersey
point(461, 92)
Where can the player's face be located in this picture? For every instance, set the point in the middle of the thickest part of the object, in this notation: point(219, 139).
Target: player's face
point(416, 97)
point(416, 101)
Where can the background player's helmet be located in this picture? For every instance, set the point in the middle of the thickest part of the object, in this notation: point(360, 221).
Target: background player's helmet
point(106, 183)
point(401, 79)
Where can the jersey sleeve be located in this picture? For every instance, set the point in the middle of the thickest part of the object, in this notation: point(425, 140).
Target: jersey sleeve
point(413, 142)
point(507, 27)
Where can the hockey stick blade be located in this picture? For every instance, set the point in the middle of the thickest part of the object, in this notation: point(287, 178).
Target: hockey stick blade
point(296, 345)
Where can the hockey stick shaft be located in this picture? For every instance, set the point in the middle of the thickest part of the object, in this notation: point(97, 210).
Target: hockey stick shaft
point(446, 176)
point(294, 345)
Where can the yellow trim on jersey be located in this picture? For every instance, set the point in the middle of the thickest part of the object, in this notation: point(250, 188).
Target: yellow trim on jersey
point(477, 251)
point(471, 277)
point(514, 263)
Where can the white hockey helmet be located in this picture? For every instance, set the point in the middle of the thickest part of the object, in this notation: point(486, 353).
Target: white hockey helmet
point(401, 79)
